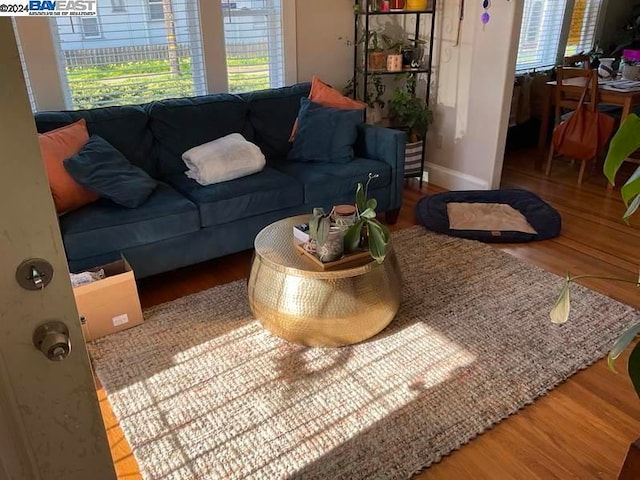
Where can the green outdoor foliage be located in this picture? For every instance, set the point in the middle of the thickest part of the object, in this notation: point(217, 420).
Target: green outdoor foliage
point(623, 143)
point(114, 84)
point(378, 235)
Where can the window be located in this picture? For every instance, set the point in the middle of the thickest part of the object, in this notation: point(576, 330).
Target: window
point(552, 29)
point(253, 42)
point(126, 59)
point(118, 6)
point(90, 27)
point(156, 10)
point(134, 61)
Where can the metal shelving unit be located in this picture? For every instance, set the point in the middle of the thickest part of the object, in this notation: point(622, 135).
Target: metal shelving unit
point(361, 72)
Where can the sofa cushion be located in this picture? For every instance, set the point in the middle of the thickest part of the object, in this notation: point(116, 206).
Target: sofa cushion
point(266, 191)
point(101, 168)
point(272, 114)
point(325, 134)
point(327, 184)
point(104, 227)
point(180, 124)
point(123, 127)
point(55, 147)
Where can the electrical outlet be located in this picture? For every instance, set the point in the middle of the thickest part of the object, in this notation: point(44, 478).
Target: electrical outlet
point(425, 176)
point(439, 141)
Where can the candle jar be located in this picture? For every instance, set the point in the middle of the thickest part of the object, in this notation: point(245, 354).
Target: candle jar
point(344, 216)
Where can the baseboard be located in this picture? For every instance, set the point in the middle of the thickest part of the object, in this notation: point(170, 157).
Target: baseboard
point(454, 180)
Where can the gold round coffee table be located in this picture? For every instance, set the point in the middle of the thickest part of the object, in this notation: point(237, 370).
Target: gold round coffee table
point(296, 300)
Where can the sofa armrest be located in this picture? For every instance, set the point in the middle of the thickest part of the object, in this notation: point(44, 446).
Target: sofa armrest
point(385, 145)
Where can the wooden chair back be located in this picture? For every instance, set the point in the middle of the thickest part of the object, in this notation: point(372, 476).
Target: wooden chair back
point(581, 60)
point(567, 96)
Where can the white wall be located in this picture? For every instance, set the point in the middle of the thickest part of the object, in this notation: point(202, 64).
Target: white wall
point(473, 94)
point(325, 40)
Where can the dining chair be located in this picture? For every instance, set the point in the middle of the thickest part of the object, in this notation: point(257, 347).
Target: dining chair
point(581, 60)
point(566, 102)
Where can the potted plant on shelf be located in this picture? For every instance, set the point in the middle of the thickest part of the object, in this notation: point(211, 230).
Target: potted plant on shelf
point(409, 113)
point(376, 57)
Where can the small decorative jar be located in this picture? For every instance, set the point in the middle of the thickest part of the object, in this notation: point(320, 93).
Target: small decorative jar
point(394, 62)
point(344, 216)
point(333, 248)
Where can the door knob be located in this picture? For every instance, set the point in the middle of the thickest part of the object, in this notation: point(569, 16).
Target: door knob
point(52, 339)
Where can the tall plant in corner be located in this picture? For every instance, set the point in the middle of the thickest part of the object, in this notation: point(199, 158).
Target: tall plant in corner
point(623, 144)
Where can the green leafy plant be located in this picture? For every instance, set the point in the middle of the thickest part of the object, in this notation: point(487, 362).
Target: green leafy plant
point(378, 235)
point(409, 112)
point(623, 144)
point(319, 226)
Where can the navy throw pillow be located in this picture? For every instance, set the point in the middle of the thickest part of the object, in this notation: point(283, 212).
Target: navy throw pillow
point(325, 134)
point(101, 168)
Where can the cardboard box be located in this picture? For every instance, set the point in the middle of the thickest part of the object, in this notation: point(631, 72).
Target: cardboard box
point(109, 305)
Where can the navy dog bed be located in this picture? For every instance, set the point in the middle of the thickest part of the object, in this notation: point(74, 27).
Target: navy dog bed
point(432, 213)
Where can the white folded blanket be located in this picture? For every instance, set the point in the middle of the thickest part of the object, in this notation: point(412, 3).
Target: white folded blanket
point(223, 159)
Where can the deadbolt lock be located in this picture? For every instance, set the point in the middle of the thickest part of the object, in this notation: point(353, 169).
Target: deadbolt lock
point(34, 274)
point(52, 339)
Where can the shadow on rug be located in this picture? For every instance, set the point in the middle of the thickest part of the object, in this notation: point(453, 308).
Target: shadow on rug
point(202, 391)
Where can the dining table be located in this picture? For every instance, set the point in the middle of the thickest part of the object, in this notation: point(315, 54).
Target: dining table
point(607, 95)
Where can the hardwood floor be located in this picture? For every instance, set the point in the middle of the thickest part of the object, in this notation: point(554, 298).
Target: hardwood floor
point(581, 429)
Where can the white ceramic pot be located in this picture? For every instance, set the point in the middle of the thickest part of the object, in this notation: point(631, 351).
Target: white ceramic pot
point(605, 69)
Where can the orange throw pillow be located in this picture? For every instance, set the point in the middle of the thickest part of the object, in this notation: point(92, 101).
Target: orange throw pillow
point(328, 96)
point(56, 146)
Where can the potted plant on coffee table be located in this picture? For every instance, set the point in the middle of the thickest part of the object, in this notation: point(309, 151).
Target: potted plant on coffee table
point(409, 113)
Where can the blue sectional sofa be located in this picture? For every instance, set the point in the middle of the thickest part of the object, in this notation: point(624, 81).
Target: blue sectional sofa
point(183, 222)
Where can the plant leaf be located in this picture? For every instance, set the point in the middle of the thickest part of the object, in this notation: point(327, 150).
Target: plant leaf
point(633, 206)
point(360, 199)
point(372, 203)
point(560, 312)
point(324, 224)
point(377, 244)
point(633, 368)
point(632, 188)
point(623, 342)
point(368, 213)
point(352, 236)
point(624, 143)
point(379, 239)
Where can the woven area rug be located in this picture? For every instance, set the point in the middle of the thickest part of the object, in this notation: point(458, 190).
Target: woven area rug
point(201, 390)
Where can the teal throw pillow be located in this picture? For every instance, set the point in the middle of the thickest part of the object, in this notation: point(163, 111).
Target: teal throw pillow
point(325, 134)
point(101, 168)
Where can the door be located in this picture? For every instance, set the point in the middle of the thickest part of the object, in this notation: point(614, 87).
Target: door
point(50, 423)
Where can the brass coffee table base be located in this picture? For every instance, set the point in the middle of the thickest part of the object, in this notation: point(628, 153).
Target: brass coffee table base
point(296, 301)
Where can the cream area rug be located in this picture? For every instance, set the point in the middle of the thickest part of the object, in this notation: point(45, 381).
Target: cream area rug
point(202, 391)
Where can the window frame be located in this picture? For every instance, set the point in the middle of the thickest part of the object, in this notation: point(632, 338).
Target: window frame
point(84, 31)
point(149, 10)
point(118, 6)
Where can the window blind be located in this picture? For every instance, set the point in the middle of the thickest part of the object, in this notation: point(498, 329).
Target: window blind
point(253, 43)
point(584, 23)
point(540, 34)
point(133, 51)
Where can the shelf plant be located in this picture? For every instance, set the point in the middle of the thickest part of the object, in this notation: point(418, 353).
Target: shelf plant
point(623, 144)
point(408, 112)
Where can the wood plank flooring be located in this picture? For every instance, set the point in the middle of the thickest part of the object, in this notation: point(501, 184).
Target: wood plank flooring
point(580, 430)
